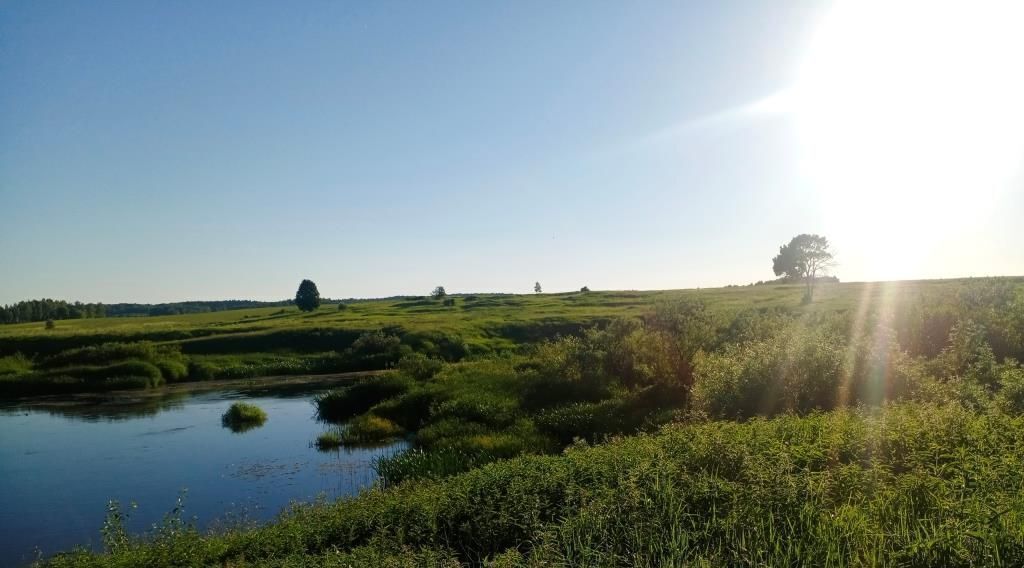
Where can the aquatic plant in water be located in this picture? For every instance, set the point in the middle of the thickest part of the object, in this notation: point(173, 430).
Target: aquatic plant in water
point(243, 416)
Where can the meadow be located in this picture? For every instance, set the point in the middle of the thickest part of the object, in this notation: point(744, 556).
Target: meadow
point(284, 341)
point(879, 425)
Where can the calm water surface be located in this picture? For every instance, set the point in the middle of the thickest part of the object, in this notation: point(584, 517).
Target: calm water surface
point(60, 465)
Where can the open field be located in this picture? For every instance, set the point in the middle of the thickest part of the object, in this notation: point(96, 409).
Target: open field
point(278, 341)
point(484, 322)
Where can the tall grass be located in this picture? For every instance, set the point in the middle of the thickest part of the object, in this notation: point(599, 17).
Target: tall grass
point(917, 485)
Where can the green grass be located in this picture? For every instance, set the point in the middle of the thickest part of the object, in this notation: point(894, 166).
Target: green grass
point(242, 416)
point(364, 430)
point(269, 341)
point(330, 439)
point(913, 485)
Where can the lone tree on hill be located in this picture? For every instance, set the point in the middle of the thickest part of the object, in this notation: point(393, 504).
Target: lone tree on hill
point(439, 293)
point(308, 297)
point(536, 287)
point(803, 258)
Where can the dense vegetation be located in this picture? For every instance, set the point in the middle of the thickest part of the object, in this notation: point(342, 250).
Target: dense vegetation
point(878, 425)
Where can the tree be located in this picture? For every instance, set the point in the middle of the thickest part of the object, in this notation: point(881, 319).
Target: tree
point(585, 289)
point(308, 297)
point(536, 287)
point(803, 258)
point(438, 293)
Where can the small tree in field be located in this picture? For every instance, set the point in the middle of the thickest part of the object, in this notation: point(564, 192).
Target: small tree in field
point(803, 258)
point(536, 287)
point(438, 293)
point(307, 298)
point(585, 289)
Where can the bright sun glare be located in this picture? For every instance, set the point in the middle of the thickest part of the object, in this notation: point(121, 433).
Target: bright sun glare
point(911, 119)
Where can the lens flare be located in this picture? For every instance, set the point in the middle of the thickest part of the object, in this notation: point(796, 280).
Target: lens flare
point(911, 120)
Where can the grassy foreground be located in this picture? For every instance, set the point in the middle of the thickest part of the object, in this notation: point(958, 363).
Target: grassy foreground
point(909, 485)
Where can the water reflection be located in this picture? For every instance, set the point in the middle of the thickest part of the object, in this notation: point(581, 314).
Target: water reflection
point(62, 460)
point(97, 408)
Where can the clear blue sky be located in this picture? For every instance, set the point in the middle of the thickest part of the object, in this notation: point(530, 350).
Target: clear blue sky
point(162, 151)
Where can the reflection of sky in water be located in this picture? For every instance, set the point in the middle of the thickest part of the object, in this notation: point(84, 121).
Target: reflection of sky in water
point(61, 464)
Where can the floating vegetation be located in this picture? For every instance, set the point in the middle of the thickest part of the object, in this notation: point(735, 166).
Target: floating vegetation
point(242, 417)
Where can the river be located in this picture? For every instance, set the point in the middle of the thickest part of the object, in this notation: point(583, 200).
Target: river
point(62, 461)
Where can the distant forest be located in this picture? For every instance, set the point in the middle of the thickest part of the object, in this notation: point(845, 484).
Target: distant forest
point(47, 309)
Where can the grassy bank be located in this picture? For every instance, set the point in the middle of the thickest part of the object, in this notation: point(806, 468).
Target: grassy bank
point(918, 485)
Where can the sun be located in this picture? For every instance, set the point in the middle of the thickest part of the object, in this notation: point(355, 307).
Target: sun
point(911, 117)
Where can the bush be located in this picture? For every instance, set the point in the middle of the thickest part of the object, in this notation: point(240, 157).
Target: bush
point(369, 429)
point(419, 366)
point(1011, 389)
point(108, 353)
point(435, 464)
point(410, 410)
point(624, 414)
point(342, 404)
point(799, 370)
point(376, 350)
point(172, 371)
point(565, 370)
point(329, 440)
point(490, 410)
point(16, 364)
point(167, 359)
point(124, 375)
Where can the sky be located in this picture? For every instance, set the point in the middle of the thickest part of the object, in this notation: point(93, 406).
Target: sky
point(167, 151)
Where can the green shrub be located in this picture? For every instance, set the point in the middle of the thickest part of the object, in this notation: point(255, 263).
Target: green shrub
point(199, 371)
point(173, 371)
point(410, 410)
point(376, 350)
point(419, 366)
point(434, 464)
point(626, 413)
point(118, 376)
point(369, 429)
point(448, 432)
point(490, 410)
point(16, 364)
point(799, 370)
point(1011, 389)
point(342, 404)
point(330, 439)
point(109, 352)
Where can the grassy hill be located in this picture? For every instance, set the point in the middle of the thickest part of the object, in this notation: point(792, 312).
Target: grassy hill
point(268, 341)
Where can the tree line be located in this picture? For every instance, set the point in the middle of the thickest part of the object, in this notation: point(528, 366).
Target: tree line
point(47, 309)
